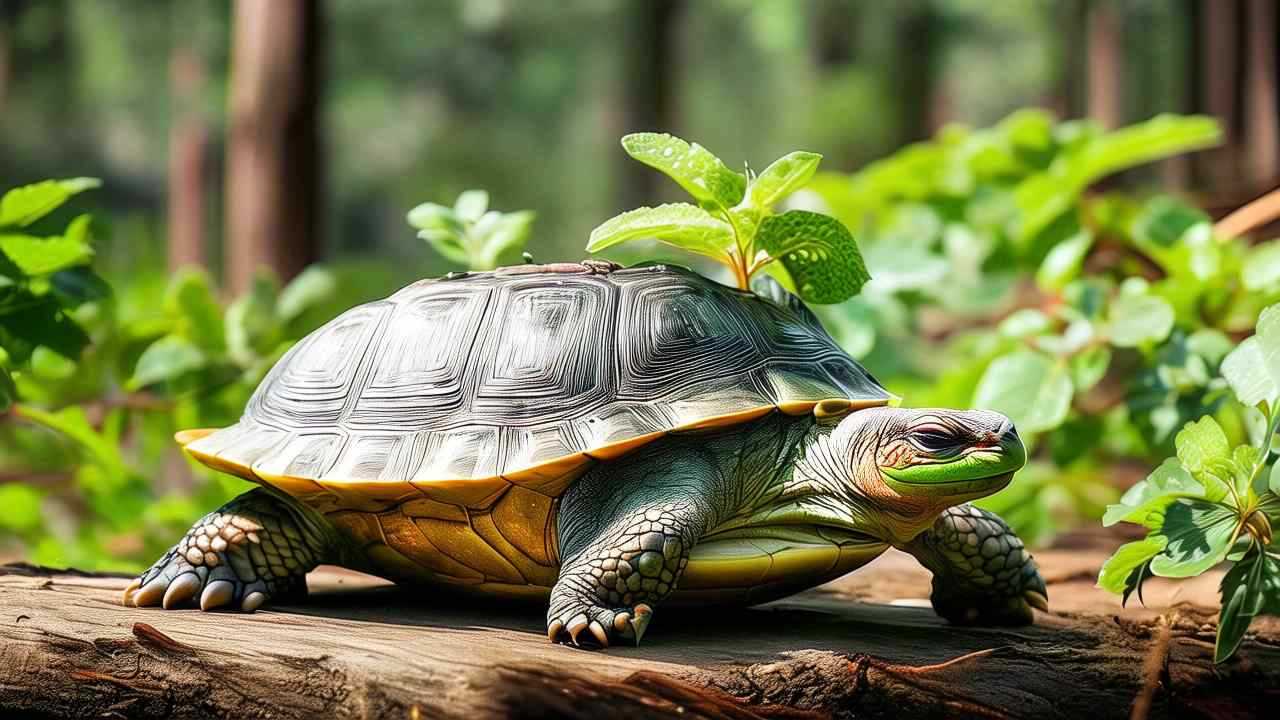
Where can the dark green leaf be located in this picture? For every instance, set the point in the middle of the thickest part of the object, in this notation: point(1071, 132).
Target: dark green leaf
point(819, 254)
point(168, 358)
point(8, 391)
point(191, 301)
point(1199, 534)
point(79, 285)
point(1121, 573)
point(1251, 587)
point(39, 321)
point(1164, 220)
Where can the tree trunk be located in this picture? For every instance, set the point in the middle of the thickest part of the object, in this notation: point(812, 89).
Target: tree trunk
point(1105, 65)
point(358, 648)
point(188, 140)
point(1219, 91)
point(912, 74)
point(273, 148)
point(1261, 131)
point(649, 87)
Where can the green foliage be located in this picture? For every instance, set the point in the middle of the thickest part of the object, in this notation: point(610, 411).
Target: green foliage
point(469, 233)
point(1096, 321)
point(810, 254)
point(1213, 502)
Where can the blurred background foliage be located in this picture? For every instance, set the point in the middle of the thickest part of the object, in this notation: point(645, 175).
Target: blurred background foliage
point(251, 190)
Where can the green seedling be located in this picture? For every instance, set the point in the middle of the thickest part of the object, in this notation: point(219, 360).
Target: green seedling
point(471, 234)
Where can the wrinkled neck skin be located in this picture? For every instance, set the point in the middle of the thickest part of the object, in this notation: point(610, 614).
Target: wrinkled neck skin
point(799, 471)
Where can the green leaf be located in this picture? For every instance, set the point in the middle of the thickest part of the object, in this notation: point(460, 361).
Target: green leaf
point(21, 505)
point(786, 175)
point(72, 422)
point(1245, 370)
point(252, 326)
point(699, 172)
point(1251, 587)
point(679, 224)
point(430, 216)
point(1201, 442)
point(1274, 484)
point(191, 301)
point(49, 365)
point(8, 391)
point(24, 205)
point(1030, 387)
point(1168, 481)
point(471, 205)
point(40, 321)
point(497, 235)
point(1260, 270)
point(79, 285)
point(42, 256)
point(1138, 320)
point(818, 253)
point(166, 359)
point(1063, 263)
point(1118, 574)
point(1164, 221)
point(311, 287)
point(1199, 533)
point(1089, 367)
point(1025, 322)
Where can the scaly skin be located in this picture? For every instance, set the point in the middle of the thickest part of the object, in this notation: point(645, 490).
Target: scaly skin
point(256, 548)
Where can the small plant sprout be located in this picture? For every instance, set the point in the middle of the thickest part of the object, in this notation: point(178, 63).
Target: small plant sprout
point(810, 254)
point(1213, 502)
point(471, 234)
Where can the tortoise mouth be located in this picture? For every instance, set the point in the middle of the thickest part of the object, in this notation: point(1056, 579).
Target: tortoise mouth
point(980, 470)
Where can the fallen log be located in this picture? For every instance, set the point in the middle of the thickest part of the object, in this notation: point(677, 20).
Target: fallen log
point(863, 646)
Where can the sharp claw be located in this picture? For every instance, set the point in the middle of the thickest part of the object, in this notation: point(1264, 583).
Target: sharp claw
point(127, 598)
point(598, 630)
point(641, 621)
point(183, 588)
point(150, 593)
point(1037, 600)
point(576, 624)
point(253, 601)
point(216, 594)
point(553, 630)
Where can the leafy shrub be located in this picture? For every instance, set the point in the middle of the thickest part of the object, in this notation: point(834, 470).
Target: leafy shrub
point(471, 234)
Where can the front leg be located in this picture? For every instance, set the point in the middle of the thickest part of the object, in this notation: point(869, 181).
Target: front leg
point(625, 531)
point(982, 574)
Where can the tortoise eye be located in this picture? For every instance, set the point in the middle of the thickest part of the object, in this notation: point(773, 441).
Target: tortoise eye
point(933, 440)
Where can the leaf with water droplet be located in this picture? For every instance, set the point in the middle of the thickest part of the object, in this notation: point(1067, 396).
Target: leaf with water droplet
point(700, 173)
point(818, 252)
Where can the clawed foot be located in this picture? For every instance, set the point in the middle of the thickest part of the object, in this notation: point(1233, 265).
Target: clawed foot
point(604, 625)
point(222, 562)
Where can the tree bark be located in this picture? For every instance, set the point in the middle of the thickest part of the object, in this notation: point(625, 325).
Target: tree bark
point(1219, 90)
point(359, 648)
point(913, 74)
point(649, 89)
point(273, 148)
point(188, 141)
point(1261, 131)
point(1105, 65)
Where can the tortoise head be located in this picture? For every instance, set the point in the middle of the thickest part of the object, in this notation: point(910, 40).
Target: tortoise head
point(914, 463)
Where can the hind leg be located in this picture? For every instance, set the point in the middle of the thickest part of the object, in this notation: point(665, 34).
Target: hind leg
point(256, 548)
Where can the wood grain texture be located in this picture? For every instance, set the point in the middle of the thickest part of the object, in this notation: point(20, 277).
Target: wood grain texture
point(360, 648)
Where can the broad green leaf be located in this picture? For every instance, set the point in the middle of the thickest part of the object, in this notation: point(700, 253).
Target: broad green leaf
point(1199, 533)
point(1117, 574)
point(311, 287)
point(1245, 370)
point(471, 205)
point(1165, 220)
point(679, 224)
point(1251, 587)
point(1200, 443)
point(49, 365)
point(166, 359)
point(191, 301)
point(818, 253)
point(41, 322)
point(1063, 262)
point(42, 256)
point(699, 172)
point(1169, 479)
point(1261, 268)
point(78, 285)
point(21, 508)
point(1030, 387)
point(498, 235)
point(1140, 320)
point(1089, 367)
point(430, 216)
point(24, 205)
point(1025, 323)
point(447, 244)
point(1268, 335)
point(252, 325)
point(786, 175)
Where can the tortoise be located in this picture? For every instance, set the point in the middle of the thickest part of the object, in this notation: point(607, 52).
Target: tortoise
point(611, 438)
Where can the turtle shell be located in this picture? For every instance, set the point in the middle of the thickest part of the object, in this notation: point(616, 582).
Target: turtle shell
point(461, 387)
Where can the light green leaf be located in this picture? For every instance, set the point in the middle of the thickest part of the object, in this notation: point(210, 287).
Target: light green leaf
point(430, 216)
point(168, 358)
point(1245, 370)
point(1025, 322)
point(1201, 442)
point(786, 175)
point(1030, 387)
point(447, 244)
point(1251, 587)
point(1118, 572)
point(191, 301)
point(49, 365)
point(818, 253)
point(72, 422)
point(498, 235)
point(1090, 366)
point(1199, 533)
point(679, 224)
point(21, 504)
point(312, 286)
point(1140, 320)
point(699, 172)
point(1063, 263)
point(1169, 480)
point(24, 205)
point(42, 256)
point(1261, 267)
point(252, 327)
point(471, 205)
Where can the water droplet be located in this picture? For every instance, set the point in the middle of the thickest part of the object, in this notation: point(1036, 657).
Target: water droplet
point(667, 152)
